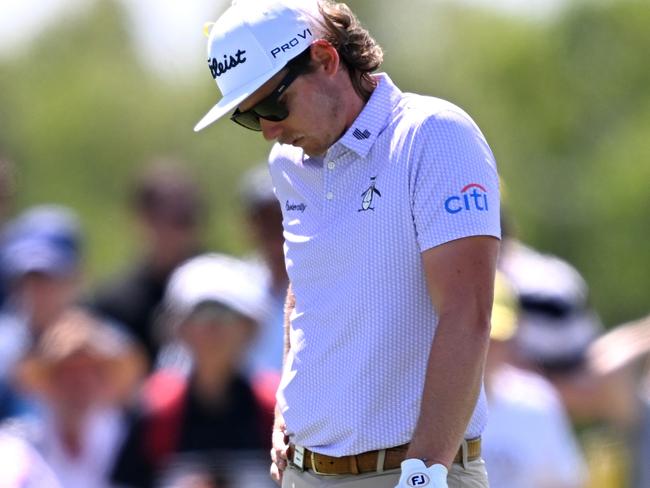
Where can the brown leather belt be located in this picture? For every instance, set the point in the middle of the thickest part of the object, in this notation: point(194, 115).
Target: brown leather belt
point(366, 462)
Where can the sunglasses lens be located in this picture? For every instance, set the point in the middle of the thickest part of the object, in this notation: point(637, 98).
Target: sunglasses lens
point(248, 119)
point(271, 110)
point(267, 110)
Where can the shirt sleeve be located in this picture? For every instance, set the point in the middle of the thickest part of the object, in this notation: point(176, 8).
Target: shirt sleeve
point(454, 183)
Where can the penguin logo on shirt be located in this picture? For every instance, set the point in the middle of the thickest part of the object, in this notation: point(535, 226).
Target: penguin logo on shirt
point(368, 195)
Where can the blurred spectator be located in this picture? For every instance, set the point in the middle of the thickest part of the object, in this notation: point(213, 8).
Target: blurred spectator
point(41, 261)
point(556, 323)
point(83, 371)
point(6, 187)
point(528, 441)
point(557, 331)
point(617, 372)
point(13, 405)
point(169, 212)
point(22, 465)
point(264, 219)
point(6, 200)
point(641, 435)
point(214, 304)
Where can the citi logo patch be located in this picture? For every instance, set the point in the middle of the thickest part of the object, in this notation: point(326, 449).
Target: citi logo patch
point(361, 135)
point(472, 197)
point(418, 479)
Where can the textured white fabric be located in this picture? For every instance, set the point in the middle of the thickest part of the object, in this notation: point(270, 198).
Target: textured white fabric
point(355, 224)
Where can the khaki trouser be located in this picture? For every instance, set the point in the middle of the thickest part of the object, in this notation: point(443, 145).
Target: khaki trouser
point(473, 476)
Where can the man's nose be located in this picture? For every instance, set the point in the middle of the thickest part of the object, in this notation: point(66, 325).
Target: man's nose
point(271, 130)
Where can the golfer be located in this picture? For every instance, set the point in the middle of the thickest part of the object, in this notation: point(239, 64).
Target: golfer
point(390, 207)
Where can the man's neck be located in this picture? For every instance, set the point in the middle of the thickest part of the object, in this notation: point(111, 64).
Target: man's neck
point(356, 103)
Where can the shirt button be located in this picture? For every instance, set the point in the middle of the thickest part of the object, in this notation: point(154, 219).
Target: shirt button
point(329, 195)
point(331, 165)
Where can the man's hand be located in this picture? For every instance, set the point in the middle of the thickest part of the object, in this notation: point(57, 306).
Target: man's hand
point(415, 474)
point(280, 443)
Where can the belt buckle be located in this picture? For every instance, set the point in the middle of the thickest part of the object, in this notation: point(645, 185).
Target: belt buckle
point(299, 457)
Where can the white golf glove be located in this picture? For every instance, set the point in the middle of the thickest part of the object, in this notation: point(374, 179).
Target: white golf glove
point(415, 474)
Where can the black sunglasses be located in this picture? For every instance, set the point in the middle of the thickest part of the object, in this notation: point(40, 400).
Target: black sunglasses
point(269, 108)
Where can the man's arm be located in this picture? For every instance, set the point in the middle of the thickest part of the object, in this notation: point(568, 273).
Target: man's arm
point(460, 277)
point(289, 305)
point(280, 440)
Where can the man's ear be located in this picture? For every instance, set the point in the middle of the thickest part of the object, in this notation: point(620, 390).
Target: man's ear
point(325, 56)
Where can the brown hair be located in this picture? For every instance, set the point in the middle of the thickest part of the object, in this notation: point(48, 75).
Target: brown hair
point(360, 53)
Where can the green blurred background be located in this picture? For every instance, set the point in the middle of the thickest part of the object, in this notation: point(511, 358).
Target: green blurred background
point(563, 99)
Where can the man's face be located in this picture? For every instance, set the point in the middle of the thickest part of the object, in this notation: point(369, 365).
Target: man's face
point(216, 337)
point(171, 232)
point(315, 121)
point(78, 381)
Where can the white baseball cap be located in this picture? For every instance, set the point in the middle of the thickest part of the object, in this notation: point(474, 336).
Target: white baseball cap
point(252, 41)
point(217, 278)
point(556, 321)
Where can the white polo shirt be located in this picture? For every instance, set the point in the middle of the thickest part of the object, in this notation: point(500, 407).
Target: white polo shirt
point(411, 173)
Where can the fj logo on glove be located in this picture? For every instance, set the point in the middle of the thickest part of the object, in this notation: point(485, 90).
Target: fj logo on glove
point(418, 479)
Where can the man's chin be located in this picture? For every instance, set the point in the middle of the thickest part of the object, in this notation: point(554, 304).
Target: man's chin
point(312, 151)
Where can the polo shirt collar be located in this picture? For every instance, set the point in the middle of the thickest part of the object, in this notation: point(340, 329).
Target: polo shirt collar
point(374, 117)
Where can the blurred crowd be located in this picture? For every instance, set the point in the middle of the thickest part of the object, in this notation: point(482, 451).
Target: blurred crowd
point(165, 374)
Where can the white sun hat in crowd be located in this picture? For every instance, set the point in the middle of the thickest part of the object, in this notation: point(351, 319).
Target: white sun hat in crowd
point(252, 41)
point(216, 278)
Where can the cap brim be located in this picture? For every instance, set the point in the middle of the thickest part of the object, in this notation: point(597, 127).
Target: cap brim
point(229, 102)
point(551, 339)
